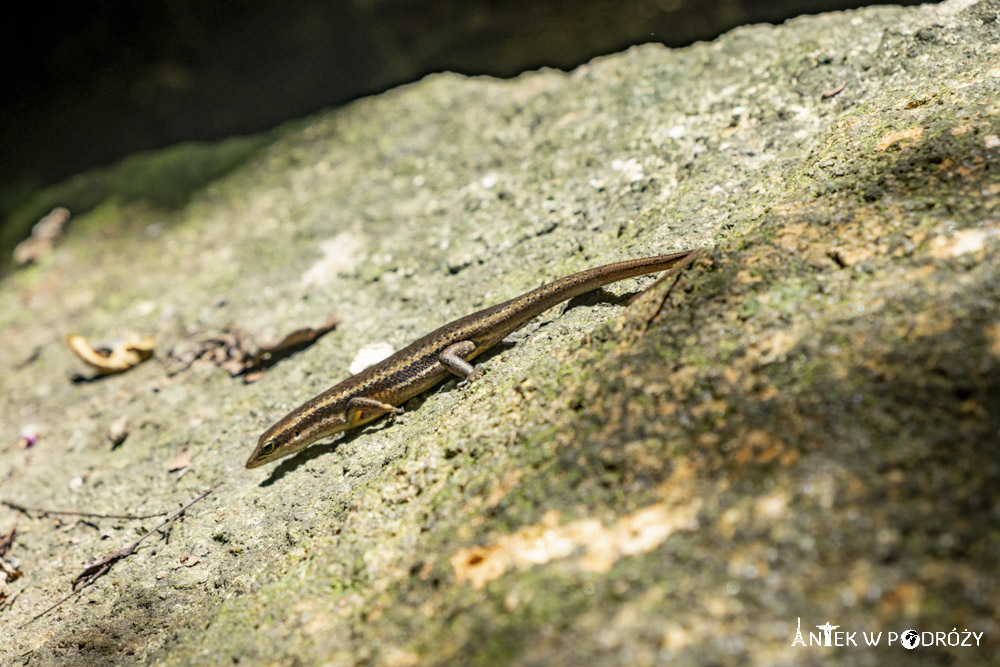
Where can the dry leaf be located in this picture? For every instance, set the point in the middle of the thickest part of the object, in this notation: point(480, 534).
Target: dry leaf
point(236, 351)
point(107, 360)
point(299, 339)
point(7, 540)
point(7, 573)
point(181, 461)
point(889, 138)
point(6, 598)
point(187, 560)
point(43, 237)
point(962, 241)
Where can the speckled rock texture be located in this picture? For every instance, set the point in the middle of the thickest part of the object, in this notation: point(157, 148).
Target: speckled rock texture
point(800, 429)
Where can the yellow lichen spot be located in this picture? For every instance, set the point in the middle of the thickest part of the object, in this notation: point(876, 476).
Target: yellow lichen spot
point(397, 657)
point(993, 338)
point(758, 445)
point(907, 598)
point(960, 243)
point(767, 393)
point(898, 135)
point(772, 348)
point(479, 565)
point(675, 637)
point(708, 439)
point(964, 240)
point(728, 522)
point(711, 406)
point(345, 606)
point(318, 623)
point(593, 546)
point(795, 236)
point(744, 277)
point(731, 375)
point(789, 457)
point(852, 256)
point(717, 607)
point(503, 488)
point(637, 533)
point(772, 506)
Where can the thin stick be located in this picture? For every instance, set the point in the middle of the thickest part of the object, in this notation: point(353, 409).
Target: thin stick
point(79, 592)
point(676, 272)
point(102, 565)
point(38, 510)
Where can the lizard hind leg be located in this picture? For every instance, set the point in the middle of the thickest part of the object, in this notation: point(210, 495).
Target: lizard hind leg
point(451, 358)
point(361, 409)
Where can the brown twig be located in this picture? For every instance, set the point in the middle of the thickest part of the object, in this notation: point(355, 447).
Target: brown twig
point(833, 91)
point(38, 510)
point(30, 359)
point(101, 566)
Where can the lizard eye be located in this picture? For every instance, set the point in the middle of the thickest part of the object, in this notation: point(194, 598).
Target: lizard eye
point(268, 447)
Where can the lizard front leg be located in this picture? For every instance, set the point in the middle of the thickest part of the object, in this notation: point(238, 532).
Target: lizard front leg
point(452, 359)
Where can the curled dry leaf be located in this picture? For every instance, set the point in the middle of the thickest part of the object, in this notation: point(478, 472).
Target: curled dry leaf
point(108, 360)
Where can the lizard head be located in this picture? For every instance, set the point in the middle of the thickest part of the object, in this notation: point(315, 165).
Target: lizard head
point(293, 434)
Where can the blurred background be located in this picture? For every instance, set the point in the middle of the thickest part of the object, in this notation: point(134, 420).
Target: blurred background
point(88, 82)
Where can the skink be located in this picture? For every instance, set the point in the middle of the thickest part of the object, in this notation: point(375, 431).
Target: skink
point(380, 389)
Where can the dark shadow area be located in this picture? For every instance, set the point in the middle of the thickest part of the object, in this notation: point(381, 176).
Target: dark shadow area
point(87, 83)
point(80, 378)
point(601, 295)
point(165, 180)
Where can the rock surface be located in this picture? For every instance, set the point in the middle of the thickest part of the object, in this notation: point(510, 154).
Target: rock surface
point(801, 428)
